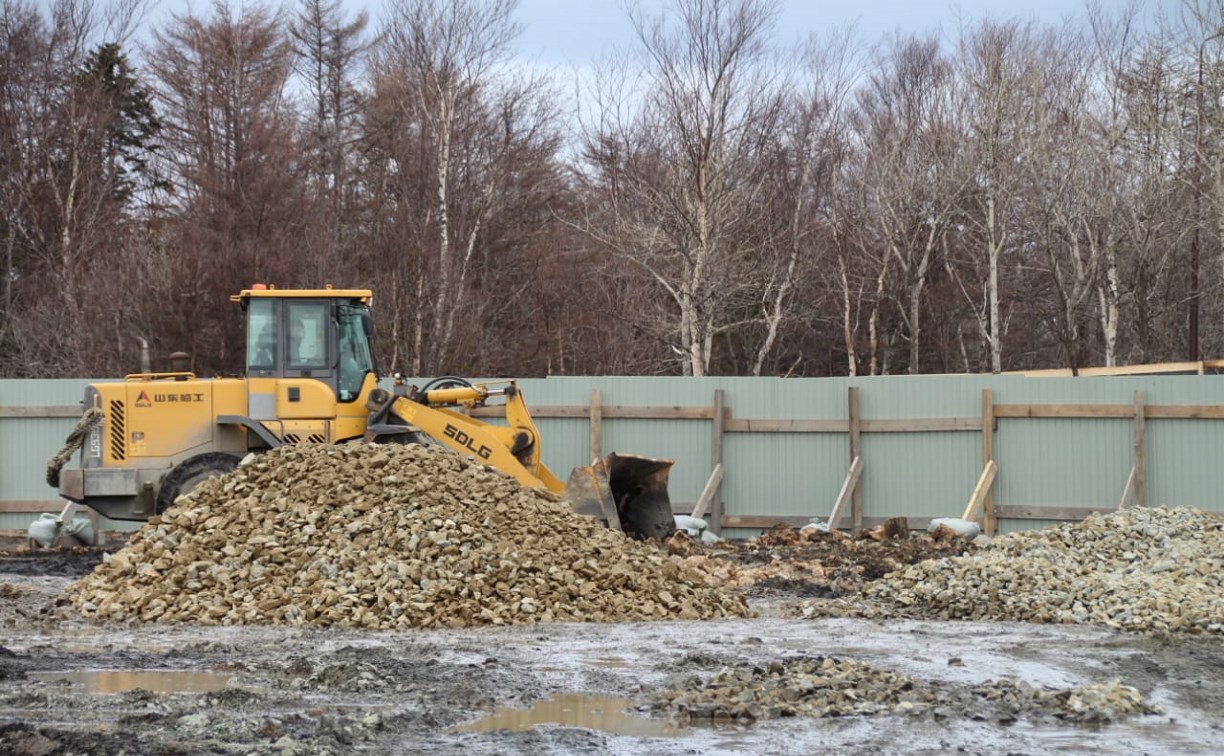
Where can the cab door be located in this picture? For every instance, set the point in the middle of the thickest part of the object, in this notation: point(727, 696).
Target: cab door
point(307, 388)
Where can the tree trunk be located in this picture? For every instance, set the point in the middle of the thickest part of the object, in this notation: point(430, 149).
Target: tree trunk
point(847, 330)
point(995, 248)
point(873, 336)
point(445, 294)
point(917, 283)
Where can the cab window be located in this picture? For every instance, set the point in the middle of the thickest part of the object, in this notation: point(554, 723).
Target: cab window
point(355, 358)
point(261, 334)
point(307, 347)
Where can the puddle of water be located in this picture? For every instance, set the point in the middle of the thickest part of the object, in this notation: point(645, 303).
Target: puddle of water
point(155, 681)
point(1149, 734)
point(604, 713)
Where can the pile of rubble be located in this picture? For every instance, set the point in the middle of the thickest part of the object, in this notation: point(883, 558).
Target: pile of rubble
point(829, 687)
point(1148, 570)
point(815, 562)
point(385, 537)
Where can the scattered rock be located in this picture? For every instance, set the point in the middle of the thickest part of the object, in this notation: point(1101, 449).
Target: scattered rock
point(1148, 570)
point(779, 535)
point(830, 687)
point(811, 561)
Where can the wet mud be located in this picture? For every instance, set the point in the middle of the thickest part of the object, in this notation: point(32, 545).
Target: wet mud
point(66, 562)
point(72, 686)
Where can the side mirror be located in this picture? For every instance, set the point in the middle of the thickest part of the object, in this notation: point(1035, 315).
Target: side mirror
point(367, 324)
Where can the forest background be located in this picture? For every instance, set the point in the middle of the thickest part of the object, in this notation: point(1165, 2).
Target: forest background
point(1008, 194)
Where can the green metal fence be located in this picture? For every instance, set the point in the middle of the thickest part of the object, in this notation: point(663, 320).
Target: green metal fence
point(1063, 447)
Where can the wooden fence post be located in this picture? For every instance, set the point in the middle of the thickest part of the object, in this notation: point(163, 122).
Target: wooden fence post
point(989, 521)
point(856, 499)
point(1140, 478)
point(718, 427)
point(596, 421)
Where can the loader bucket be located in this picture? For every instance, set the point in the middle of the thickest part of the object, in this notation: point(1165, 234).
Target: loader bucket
point(626, 491)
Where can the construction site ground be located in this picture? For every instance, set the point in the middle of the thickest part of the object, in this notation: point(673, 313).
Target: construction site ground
point(68, 685)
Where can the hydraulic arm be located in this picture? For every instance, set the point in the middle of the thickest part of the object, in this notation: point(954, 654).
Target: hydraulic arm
point(627, 491)
point(513, 448)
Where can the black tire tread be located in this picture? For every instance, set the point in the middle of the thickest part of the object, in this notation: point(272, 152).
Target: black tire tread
point(173, 481)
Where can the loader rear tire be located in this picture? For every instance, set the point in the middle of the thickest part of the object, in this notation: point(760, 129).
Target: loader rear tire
point(192, 472)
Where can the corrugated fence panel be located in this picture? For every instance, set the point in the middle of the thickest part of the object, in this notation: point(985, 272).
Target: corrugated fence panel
point(1084, 463)
point(1183, 456)
point(26, 444)
point(785, 398)
point(567, 441)
point(783, 473)
point(920, 474)
point(919, 477)
point(1043, 462)
point(1062, 462)
point(1184, 465)
point(795, 474)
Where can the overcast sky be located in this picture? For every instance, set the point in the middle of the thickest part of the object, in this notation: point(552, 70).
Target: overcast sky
point(576, 32)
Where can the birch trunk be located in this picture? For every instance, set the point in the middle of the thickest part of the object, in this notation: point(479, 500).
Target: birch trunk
point(995, 243)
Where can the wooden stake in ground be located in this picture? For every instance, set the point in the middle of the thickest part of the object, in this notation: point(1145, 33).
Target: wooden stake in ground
point(849, 487)
point(979, 491)
point(707, 493)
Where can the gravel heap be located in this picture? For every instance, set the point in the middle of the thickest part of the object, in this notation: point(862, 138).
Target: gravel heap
point(385, 537)
point(1148, 570)
point(829, 687)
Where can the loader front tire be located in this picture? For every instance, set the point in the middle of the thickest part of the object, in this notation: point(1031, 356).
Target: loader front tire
point(190, 473)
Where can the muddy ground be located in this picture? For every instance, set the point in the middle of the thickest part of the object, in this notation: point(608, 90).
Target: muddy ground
point(70, 686)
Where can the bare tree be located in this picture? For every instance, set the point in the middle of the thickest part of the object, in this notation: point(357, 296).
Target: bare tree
point(810, 142)
point(909, 137)
point(328, 57)
point(1066, 219)
point(683, 163)
point(857, 268)
point(999, 65)
point(1198, 58)
point(70, 137)
point(450, 125)
point(1113, 43)
point(231, 157)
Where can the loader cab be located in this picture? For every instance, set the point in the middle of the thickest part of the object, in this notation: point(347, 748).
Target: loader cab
point(319, 334)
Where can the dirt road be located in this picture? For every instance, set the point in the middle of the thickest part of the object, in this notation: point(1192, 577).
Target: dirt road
point(69, 686)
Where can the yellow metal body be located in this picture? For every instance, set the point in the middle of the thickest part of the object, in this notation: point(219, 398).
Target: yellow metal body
point(315, 412)
point(150, 418)
point(155, 423)
point(514, 448)
point(159, 417)
point(362, 295)
point(310, 379)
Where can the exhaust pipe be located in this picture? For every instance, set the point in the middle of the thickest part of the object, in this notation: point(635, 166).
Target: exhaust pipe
point(146, 364)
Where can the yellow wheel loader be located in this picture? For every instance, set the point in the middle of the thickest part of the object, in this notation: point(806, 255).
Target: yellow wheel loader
point(310, 378)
